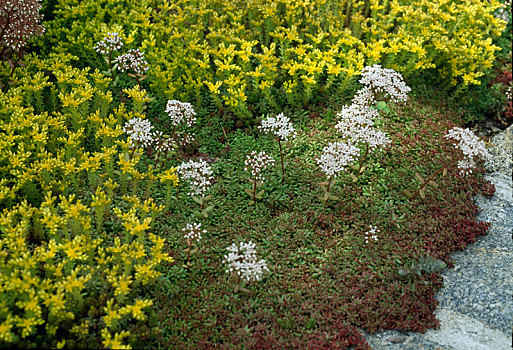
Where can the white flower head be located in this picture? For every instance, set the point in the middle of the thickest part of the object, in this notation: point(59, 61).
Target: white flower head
point(371, 234)
point(336, 157)
point(193, 231)
point(184, 138)
point(357, 126)
point(181, 112)
point(243, 261)
point(163, 144)
point(199, 174)
point(139, 132)
point(256, 163)
point(364, 97)
point(354, 117)
point(280, 126)
point(387, 82)
point(134, 60)
point(112, 42)
point(20, 20)
point(471, 147)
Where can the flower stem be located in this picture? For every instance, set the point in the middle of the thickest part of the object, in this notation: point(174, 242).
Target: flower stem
point(14, 65)
point(172, 137)
point(328, 192)
point(168, 195)
point(132, 153)
point(254, 190)
point(282, 167)
point(189, 244)
point(361, 162)
point(432, 177)
point(138, 81)
point(110, 61)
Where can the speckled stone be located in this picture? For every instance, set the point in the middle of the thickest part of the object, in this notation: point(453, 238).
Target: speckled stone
point(501, 149)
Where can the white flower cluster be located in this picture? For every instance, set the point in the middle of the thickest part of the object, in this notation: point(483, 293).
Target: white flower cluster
point(134, 60)
point(181, 112)
point(364, 97)
point(256, 163)
point(193, 231)
point(356, 125)
point(242, 260)
point(112, 42)
point(373, 231)
point(336, 156)
point(163, 144)
point(198, 173)
point(508, 93)
point(357, 120)
point(139, 131)
point(280, 126)
point(470, 145)
point(19, 20)
point(184, 138)
point(382, 81)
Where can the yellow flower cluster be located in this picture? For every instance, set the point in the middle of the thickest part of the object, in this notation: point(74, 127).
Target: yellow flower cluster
point(61, 169)
point(261, 51)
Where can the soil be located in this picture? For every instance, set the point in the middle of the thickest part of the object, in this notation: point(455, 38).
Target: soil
point(490, 127)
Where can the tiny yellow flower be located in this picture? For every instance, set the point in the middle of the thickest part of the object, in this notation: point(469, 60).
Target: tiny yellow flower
point(73, 250)
point(116, 342)
point(169, 175)
point(214, 88)
point(137, 312)
point(111, 315)
point(27, 325)
point(5, 329)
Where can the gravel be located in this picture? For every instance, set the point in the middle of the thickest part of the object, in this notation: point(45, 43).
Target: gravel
point(501, 149)
point(476, 303)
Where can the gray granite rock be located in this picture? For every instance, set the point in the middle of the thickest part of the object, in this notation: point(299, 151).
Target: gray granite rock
point(501, 149)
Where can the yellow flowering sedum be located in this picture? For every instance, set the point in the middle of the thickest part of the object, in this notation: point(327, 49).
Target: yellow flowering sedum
point(63, 275)
point(253, 52)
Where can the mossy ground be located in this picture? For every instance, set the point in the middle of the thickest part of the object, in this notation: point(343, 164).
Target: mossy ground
point(325, 281)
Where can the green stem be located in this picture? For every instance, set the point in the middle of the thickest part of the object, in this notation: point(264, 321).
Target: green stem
point(148, 189)
point(124, 184)
point(168, 195)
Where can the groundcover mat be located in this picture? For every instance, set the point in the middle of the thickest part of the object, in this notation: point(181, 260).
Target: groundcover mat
point(238, 174)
